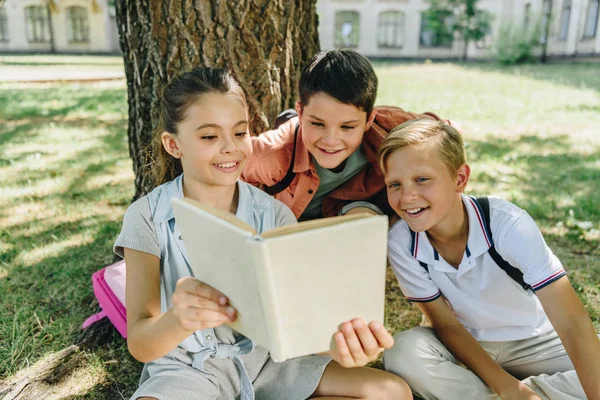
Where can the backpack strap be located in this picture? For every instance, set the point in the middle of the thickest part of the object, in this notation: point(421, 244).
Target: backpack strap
point(290, 174)
point(484, 205)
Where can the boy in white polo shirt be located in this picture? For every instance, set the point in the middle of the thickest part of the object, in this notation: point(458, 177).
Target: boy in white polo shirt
point(499, 302)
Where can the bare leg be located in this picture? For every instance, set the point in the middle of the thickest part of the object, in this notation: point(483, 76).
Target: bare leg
point(360, 383)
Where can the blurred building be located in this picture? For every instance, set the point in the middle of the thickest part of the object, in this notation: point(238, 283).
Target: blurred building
point(62, 26)
point(375, 28)
point(396, 28)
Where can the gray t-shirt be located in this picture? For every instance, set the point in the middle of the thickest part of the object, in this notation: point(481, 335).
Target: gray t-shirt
point(329, 180)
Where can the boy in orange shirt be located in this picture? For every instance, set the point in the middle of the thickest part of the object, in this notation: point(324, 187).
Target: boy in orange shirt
point(324, 161)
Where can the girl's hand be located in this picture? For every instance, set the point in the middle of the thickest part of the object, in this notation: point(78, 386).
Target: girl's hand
point(356, 343)
point(198, 306)
point(520, 392)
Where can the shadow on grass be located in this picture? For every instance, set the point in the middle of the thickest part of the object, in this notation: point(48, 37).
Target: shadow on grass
point(551, 179)
point(59, 101)
point(45, 303)
point(45, 298)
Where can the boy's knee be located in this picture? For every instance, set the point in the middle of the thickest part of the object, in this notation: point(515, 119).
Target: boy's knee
point(409, 348)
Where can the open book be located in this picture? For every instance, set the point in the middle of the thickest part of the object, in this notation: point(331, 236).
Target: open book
point(291, 286)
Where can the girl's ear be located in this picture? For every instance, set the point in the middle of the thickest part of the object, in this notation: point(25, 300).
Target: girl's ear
point(370, 119)
point(462, 178)
point(170, 144)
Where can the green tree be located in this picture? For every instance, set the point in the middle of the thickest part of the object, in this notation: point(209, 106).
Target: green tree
point(463, 17)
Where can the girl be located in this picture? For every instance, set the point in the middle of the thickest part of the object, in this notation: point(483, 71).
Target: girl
point(174, 322)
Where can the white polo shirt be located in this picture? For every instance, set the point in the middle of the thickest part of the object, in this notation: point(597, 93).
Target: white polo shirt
point(489, 303)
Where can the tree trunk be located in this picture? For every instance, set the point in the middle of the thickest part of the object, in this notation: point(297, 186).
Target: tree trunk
point(264, 43)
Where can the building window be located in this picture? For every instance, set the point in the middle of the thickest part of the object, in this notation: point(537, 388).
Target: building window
point(438, 36)
point(391, 30)
point(37, 24)
point(564, 20)
point(3, 25)
point(347, 29)
point(591, 19)
point(77, 25)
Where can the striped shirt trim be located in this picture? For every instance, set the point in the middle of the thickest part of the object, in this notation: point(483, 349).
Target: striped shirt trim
point(414, 249)
point(482, 224)
point(424, 299)
point(558, 274)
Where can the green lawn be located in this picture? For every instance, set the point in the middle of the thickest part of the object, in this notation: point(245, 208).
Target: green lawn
point(532, 136)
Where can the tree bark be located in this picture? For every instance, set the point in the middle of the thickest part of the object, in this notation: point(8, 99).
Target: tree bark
point(264, 43)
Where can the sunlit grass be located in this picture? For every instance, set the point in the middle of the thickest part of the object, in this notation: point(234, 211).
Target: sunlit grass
point(531, 136)
point(40, 60)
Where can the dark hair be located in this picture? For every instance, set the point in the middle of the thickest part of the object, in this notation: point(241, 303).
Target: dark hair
point(179, 94)
point(344, 75)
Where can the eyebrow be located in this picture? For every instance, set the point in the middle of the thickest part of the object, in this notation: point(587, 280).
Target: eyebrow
point(343, 123)
point(241, 122)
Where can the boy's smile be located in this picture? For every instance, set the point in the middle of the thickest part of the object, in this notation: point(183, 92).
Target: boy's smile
point(332, 131)
point(421, 189)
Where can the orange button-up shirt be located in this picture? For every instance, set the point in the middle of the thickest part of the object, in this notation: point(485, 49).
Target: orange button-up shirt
point(272, 155)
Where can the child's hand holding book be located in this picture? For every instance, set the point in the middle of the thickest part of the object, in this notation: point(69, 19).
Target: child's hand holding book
point(198, 306)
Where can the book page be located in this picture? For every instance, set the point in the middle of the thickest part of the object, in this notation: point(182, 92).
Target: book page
point(219, 255)
point(323, 277)
point(312, 224)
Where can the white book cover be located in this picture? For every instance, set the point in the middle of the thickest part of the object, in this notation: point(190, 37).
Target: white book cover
point(292, 286)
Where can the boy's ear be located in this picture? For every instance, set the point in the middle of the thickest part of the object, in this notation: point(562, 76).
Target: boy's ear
point(370, 119)
point(299, 108)
point(170, 144)
point(462, 178)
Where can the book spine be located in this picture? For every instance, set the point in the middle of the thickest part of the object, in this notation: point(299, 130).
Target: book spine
point(267, 293)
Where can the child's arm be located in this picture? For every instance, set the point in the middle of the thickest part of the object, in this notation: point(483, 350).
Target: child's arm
point(150, 334)
point(271, 155)
point(468, 351)
point(575, 329)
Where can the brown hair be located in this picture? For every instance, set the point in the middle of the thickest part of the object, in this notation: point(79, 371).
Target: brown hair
point(447, 139)
point(342, 74)
point(183, 91)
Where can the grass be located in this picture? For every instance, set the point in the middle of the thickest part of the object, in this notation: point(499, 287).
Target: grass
point(531, 134)
point(40, 60)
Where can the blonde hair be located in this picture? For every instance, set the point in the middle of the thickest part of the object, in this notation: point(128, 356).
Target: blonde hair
point(447, 139)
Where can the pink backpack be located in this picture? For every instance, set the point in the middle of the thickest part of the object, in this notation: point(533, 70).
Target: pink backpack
point(109, 288)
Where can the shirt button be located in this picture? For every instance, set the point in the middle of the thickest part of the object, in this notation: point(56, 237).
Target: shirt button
point(310, 191)
point(209, 337)
point(180, 237)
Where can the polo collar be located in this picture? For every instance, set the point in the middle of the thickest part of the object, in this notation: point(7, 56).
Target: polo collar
point(170, 190)
point(478, 241)
point(174, 190)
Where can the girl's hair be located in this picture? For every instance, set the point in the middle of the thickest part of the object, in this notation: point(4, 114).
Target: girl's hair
point(447, 140)
point(183, 91)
